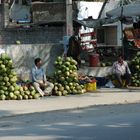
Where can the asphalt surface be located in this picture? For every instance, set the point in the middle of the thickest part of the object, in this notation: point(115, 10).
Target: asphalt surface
point(108, 122)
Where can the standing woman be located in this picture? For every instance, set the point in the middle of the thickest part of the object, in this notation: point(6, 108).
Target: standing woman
point(74, 47)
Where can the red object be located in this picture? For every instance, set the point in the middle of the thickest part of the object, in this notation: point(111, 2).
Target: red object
point(93, 81)
point(88, 34)
point(137, 43)
point(94, 60)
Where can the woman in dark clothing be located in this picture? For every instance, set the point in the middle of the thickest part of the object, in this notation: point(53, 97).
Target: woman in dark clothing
point(74, 48)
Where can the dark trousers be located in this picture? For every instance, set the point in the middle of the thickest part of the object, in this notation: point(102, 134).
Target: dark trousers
point(126, 77)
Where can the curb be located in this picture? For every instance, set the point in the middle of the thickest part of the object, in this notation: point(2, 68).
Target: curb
point(109, 90)
point(52, 104)
point(68, 109)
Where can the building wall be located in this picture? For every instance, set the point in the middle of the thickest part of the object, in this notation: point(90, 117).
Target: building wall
point(48, 12)
point(39, 35)
point(23, 56)
point(40, 42)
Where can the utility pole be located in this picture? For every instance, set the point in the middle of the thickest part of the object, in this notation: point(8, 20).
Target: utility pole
point(122, 4)
point(69, 18)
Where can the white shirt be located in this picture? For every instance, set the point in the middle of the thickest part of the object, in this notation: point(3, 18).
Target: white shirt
point(121, 68)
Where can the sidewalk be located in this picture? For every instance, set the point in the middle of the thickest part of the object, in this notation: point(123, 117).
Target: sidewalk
point(101, 97)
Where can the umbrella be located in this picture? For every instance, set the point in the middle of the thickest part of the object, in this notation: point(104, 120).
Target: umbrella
point(126, 11)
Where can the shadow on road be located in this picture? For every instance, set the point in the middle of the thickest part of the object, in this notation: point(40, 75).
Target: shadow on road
point(101, 122)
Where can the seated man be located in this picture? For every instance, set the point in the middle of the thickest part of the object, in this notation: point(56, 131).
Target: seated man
point(39, 79)
point(121, 71)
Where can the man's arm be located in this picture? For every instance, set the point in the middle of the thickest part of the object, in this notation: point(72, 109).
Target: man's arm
point(127, 68)
point(44, 77)
point(41, 83)
point(114, 68)
point(33, 76)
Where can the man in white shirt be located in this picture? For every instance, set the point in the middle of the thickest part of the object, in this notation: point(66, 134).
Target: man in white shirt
point(39, 80)
point(121, 71)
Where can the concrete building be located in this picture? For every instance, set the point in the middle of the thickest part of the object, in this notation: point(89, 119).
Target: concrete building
point(39, 35)
point(38, 27)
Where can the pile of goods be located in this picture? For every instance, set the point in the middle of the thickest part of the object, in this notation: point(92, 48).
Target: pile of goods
point(9, 90)
point(135, 68)
point(66, 77)
point(105, 64)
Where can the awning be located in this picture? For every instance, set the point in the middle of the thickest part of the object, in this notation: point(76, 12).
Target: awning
point(126, 11)
point(95, 23)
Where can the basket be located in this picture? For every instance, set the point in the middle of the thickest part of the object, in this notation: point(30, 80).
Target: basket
point(91, 86)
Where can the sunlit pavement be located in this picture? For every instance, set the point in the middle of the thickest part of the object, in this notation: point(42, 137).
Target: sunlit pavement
point(15, 107)
point(110, 122)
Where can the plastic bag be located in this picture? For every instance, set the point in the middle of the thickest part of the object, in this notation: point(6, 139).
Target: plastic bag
point(109, 84)
point(2, 51)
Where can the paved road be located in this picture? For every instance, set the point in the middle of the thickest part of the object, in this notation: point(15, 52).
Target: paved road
point(114, 122)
